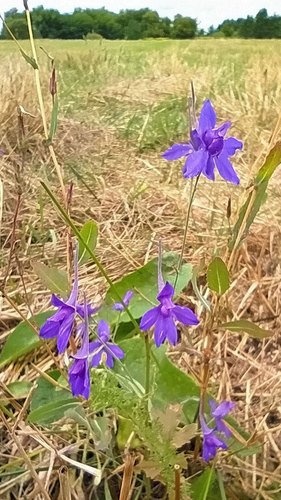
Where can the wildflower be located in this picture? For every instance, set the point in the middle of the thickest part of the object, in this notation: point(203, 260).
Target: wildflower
point(164, 316)
point(61, 324)
point(104, 350)
point(79, 372)
point(219, 412)
point(211, 442)
point(207, 148)
point(118, 306)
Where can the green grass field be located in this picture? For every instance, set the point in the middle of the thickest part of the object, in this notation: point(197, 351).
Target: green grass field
point(120, 105)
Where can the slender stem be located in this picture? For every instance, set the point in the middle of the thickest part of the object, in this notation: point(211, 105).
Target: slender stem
point(147, 367)
point(64, 215)
point(41, 102)
point(177, 482)
point(192, 194)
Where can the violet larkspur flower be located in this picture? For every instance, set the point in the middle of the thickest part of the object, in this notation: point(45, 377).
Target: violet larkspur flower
point(104, 350)
point(211, 442)
point(207, 148)
point(61, 324)
point(164, 317)
point(219, 412)
point(118, 306)
point(79, 372)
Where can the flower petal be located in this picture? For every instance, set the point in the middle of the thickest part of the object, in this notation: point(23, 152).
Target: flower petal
point(64, 333)
point(50, 329)
point(118, 306)
point(103, 330)
point(226, 170)
point(185, 315)
point(115, 350)
point(149, 318)
point(109, 360)
point(159, 334)
point(195, 164)
point(222, 409)
point(223, 129)
point(177, 151)
point(96, 359)
point(222, 427)
point(209, 171)
point(170, 330)
point(231, 145)
point(79, 378)
point(207, 117)
point(167, 292)
point(57, 302)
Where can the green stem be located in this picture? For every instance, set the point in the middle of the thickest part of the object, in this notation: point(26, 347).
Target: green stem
point(192, 194)
point(147, 367)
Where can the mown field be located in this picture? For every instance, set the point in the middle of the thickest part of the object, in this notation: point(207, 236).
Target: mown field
point(120, 105)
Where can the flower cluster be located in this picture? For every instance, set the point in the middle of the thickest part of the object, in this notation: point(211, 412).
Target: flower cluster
point(211, 440)
point(207, 148)
point(90, 354)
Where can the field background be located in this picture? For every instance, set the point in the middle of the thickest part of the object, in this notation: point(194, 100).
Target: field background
point(121, 105)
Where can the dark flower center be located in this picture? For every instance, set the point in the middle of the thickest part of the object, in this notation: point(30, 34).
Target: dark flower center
point(213, 142)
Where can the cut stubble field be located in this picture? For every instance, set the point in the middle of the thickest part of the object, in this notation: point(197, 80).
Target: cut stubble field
point(121, 104)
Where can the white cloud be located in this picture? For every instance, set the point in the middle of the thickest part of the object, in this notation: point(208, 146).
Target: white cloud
point(207, 12)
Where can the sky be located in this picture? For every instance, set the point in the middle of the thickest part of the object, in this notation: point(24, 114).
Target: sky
point(207, 12)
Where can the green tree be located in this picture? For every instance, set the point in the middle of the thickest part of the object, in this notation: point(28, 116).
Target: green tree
point(184, 27)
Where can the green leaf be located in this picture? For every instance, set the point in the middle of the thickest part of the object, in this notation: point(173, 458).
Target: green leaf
point(245, 326)
point(218, 276)
point(203, 487)
point(49, 403)
point(169, 384)
point(143, 282)
point(52, 412)
point(29, 59)
point(54, 279)
point(257, 196)
point(22, 339)
point(271, 163)
point(54, 120)
point(20, 388)
point(89, 233)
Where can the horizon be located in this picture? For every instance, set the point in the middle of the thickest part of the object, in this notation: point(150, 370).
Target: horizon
point(206, 13)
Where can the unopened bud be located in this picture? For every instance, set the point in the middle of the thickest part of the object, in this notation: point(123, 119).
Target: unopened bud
point(53, 83)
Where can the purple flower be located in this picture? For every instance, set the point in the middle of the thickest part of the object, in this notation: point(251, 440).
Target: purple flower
point(164, 317)
point(219, 412)
point(61, 324)
point(104, 350)
point(207, 148)
point(211, 443)
point(79, 372)
point(118, 306)
point(2, 152)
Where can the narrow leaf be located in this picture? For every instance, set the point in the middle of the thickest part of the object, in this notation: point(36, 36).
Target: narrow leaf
point(54, 120)
point(201, 486)
point(256, 197)
point(271, 163)
point(218, 276)
point(245, 326)
point(54, 279)
point(29, 59)
point(89, 233)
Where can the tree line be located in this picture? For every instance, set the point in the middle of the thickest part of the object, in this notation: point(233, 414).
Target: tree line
point(133, 25)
